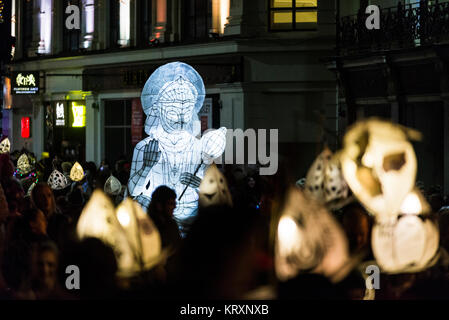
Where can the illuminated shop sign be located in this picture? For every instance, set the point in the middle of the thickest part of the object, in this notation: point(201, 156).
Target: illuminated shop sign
point(25, 127)
point(79, 115)
point(60, 114)
point(25, 82)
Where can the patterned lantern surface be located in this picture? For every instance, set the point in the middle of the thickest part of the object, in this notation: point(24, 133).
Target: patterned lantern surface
point(214, 189)
point(172, 155)
point(77, 172)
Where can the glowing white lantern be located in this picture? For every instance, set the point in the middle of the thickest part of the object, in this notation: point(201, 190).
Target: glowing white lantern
point(309, 239)
point(379, 165)
point(325, 181)
point(128, 230)
point(113, 186)
point(5, 146)
point(23, 164)
point(409, 242)
point(57, 181)
point(214, 188)
point(172, 155)
point(77, 172)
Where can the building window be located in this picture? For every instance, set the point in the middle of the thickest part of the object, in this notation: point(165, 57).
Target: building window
point(117, 130)
point(197, 19)
point(27, 25)
point(71, 37)
point(114, 23)
point(293, 14)
point(145, 28)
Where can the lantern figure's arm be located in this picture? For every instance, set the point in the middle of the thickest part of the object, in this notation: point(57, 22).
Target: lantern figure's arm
point(146, 155)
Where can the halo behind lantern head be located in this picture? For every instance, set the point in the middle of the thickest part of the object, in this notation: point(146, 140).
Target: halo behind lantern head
point(379, 165)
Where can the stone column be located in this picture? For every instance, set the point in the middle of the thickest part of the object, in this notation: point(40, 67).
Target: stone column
point(92, 129)
point(34, 46)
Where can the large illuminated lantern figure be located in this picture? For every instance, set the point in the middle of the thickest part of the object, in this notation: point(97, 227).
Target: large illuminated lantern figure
point(172, 154)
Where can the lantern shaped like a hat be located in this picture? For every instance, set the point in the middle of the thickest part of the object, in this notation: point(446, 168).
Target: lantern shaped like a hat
point(325, 181)
point(23, 164)
point(309, 239)
point(379, 165)
point(408, 242)
point(5, 146)
point(77, 172)
point(127, 229)
point(57, 181)
point(112, 186)
point(214, 188)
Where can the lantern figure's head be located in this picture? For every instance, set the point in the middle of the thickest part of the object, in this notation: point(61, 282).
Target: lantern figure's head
point(379, 165)
point(172, 97)
point(214, 189)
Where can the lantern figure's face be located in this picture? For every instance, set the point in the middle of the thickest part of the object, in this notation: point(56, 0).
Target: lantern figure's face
point(5, 146)
point(214, 189)
point(309, 240)
point(176, 103)
point(379, 165)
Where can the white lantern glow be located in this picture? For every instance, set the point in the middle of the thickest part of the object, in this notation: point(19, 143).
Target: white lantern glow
point(407, 243)
point(128, 230)
point(379, 165)
point(23, 164)
point(309, 239)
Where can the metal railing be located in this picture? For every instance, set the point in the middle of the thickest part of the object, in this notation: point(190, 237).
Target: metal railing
point(403, 26)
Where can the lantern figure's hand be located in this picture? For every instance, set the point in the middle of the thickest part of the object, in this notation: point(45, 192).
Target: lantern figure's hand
point(151, 154)
point(190, 180)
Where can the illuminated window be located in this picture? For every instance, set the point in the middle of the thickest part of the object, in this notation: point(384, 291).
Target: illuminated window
point(79, 115)
point(293, 14)
point(196, 19)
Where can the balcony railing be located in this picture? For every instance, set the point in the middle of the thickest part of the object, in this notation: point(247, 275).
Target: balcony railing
point(401, 27)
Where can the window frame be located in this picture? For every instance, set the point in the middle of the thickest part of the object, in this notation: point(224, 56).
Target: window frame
point(293, 9)
point(68, 35)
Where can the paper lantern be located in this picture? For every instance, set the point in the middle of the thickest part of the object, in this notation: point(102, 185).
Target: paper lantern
point(113, 186)
point(23, 164)
point(5, 146)
point(379, 165)
point(127, 229)
point(30, 189)
point(309, 239)
point(172, 155)
point(325, 181)
point(77, 172)
point(408, 242)
point(57, 181)
point(214, 188)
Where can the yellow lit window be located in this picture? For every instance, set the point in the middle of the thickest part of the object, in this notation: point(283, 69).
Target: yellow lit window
point(293, 14)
